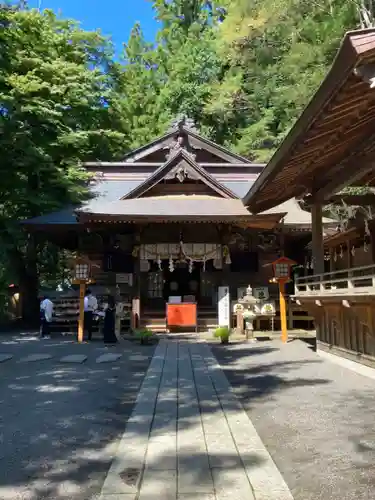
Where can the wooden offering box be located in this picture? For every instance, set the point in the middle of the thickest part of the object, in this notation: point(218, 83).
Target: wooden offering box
point(182, 315)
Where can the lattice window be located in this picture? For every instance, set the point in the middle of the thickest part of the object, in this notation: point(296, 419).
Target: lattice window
point(155, 285)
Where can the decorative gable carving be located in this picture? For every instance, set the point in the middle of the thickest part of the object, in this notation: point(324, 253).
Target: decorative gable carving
point(181, 168)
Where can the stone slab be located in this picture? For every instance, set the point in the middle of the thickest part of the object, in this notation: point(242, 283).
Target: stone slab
point(73, 358)
point(138, 357)
point(158, 484)
point(5, 357)
point(108, 358)
point(35, 357)
point(117, 496)
point(233, 483)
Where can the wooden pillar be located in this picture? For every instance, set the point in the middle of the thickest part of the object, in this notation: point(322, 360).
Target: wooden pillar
point(284, 328)
point(290, 314)
point(349, 255)
point(136, 299)
point(317, 238)
point(82, 290)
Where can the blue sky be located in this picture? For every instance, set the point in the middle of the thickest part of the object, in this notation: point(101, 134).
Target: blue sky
point(113, 17)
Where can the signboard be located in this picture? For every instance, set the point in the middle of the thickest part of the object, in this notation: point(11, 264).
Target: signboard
point(223, 304)
point(238, 308)
point(268, 309)
point(124, 279)
point(261, 293)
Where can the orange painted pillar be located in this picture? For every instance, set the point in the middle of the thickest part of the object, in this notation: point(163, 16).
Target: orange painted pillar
point(82, 290)
point(284, 328)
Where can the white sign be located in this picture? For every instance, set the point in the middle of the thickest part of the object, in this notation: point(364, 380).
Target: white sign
point(175, 299)
point(261, 293)
point(224, 306)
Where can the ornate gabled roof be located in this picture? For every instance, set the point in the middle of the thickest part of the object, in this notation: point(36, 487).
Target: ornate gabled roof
point(181, 166)
point(183, 133)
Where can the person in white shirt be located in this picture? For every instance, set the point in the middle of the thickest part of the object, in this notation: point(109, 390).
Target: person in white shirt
point(90, 306)
point(46, 313)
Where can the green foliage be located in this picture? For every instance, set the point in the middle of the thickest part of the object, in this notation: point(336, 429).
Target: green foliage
point(55, 95)
point(223, 333)
point(143, 334)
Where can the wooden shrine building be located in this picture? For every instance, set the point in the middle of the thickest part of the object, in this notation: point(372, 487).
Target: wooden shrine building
point(330, 147)
point(169, 222)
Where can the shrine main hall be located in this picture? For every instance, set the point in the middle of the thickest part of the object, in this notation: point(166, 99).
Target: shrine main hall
point(168, 223)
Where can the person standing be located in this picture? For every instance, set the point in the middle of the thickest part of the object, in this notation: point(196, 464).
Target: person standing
point(90, 306)
point(109, 322)
point(46, 313)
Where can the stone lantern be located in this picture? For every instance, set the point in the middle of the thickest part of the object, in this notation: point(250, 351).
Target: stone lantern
point(249, 312)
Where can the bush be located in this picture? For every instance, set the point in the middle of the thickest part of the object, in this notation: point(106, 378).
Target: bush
point(223, 333)
point(143, 334)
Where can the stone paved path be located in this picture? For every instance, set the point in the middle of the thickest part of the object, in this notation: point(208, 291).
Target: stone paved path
point(189, 437)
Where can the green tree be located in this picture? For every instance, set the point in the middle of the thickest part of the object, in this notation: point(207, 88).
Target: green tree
point(280, 51)
point(56, 91)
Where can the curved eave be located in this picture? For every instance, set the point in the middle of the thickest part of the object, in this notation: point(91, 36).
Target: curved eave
point(249, 220)
point(334, 127)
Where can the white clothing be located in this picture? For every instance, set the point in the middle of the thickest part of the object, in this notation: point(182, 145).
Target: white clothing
point(47, 306)
point(90, 303)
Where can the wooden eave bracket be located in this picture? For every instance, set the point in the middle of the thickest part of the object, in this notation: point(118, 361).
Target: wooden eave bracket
point(367, 73)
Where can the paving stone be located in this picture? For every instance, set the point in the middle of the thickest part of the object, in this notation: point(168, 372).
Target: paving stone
point(161, 455)
point(5, 357)
point(158, 484)
point(233, 483)
point(195, 480)
point(35, 357)
point(194, 496)
point(73, 358)
point(118, 496)
point(138, 357)
point(108, 358)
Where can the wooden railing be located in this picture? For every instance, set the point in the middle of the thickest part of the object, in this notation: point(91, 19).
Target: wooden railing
point(353, 281)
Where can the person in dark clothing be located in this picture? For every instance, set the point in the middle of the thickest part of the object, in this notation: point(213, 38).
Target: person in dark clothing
point(109, 322)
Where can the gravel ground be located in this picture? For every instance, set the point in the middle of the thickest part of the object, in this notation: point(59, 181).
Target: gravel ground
point(315, 417)
point(60, 423)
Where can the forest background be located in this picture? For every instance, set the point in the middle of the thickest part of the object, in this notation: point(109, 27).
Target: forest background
point(243, 70)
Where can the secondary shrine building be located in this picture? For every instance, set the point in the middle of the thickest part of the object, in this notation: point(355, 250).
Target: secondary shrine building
point(168, 223)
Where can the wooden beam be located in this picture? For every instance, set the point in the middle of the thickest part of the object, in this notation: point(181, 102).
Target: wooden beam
point(349, 174)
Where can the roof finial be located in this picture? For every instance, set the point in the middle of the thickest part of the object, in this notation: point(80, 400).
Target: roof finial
point(182, 121)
